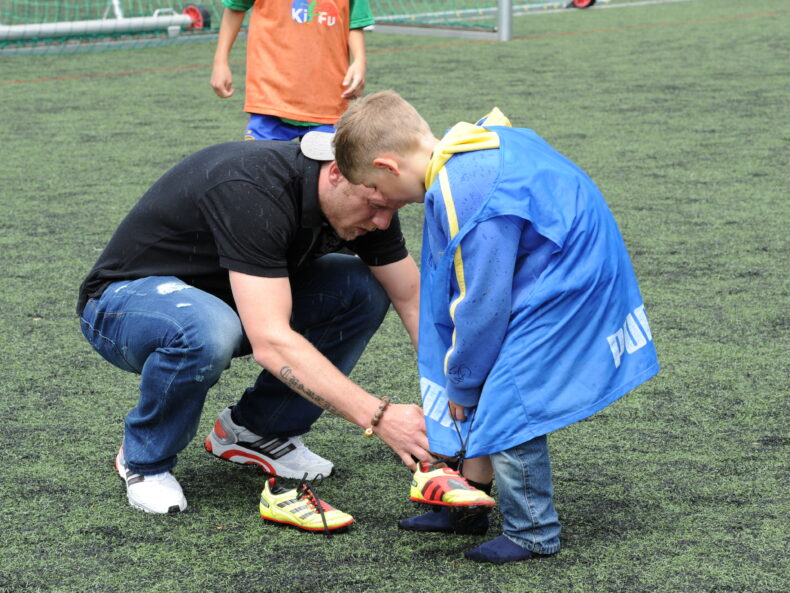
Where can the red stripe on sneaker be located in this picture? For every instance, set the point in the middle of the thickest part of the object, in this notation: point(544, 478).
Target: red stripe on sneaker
point(436, 487)
point(433, 490)
point(219, 430)
point(253, 460)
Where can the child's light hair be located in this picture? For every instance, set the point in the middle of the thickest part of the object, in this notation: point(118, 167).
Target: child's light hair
point(378, 123)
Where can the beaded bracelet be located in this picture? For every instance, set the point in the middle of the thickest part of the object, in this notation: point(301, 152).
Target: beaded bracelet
point(385, 401)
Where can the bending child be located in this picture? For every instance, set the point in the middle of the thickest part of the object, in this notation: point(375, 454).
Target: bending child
point(531, 318)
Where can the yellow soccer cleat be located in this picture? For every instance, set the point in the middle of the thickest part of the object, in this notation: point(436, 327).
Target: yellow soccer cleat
point(446, 487)
point(301, 508)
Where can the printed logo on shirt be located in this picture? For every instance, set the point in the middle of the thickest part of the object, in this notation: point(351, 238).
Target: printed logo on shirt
point(634, 334)
point(458, 374)
point(324, 12)
point(435, 402)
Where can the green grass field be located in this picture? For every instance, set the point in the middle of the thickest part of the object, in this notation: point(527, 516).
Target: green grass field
point(680, 113)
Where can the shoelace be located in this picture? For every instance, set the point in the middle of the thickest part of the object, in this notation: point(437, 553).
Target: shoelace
point(461, 453)
point(306, 490)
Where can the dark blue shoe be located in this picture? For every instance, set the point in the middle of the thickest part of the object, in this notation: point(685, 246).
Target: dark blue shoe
point(447, 520)
point(501, 550)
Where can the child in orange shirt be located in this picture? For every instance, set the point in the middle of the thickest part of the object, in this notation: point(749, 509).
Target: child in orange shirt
point(305, 60)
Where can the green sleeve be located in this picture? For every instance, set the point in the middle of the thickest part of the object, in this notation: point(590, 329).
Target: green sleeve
point(361, 15)
point(240, 5)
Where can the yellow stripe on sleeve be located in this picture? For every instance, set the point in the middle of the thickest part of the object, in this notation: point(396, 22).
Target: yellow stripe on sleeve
point(458, 261)
point(463, 137)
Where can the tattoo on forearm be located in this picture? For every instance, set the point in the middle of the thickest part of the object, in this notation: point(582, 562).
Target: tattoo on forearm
point(288, 377)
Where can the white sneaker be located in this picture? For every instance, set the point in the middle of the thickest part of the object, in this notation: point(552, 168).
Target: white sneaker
point(285, 457)
point(157, 493)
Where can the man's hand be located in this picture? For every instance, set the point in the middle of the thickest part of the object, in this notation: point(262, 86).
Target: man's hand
point(402, 428)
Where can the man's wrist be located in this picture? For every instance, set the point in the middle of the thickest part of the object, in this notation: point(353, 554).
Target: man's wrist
point(374, 421)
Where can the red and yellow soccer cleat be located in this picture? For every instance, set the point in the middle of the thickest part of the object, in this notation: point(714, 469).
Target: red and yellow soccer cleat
point(446, 487)
point(301, 508)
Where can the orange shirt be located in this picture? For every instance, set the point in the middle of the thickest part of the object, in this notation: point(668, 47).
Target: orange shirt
point(297, 56)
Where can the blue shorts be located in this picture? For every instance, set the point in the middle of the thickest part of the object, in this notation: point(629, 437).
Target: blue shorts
point(269, 127)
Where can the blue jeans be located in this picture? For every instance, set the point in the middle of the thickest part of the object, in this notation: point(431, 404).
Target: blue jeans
point(523, 478)
point(179, 340)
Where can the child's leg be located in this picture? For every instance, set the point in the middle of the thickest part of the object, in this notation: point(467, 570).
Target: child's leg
point(479, 470)
point(523, 476)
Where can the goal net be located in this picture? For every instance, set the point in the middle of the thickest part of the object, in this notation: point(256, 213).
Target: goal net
point(52, 26)
point(465, 18)
point(44, 26)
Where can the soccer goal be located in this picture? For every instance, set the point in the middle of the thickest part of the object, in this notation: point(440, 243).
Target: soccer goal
point(38, 26)
point(50, 26)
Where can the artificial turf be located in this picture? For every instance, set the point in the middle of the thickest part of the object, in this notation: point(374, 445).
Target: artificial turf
point(679, 111)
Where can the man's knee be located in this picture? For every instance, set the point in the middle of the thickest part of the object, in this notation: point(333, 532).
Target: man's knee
point(215, 338)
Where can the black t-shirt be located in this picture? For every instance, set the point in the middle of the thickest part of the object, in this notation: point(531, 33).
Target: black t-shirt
point(250, 207)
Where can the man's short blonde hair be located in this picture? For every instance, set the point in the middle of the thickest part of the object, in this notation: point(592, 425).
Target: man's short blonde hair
point(375, 124)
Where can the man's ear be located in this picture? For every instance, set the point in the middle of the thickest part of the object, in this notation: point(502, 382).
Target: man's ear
point(334, 174)
point(387, 163)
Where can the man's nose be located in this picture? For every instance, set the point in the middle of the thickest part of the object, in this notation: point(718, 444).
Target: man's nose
point(382, 219)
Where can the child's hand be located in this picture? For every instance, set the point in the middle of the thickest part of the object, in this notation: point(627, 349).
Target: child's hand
point(354, 80)
point(222, 81)
point(456, 411)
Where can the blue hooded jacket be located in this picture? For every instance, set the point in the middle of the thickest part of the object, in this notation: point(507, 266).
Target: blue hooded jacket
point(530, 314)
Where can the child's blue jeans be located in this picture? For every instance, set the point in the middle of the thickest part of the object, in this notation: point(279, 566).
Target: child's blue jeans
point(179, 340)
point(523, 478)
